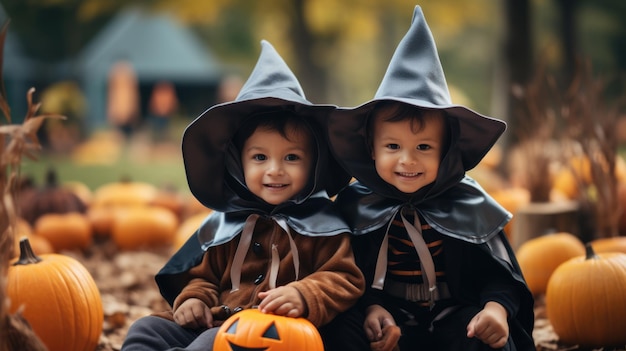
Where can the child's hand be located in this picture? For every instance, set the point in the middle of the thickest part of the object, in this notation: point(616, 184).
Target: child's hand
point(375, 320)
point(193, 313)
point(490, 325)
point(389, 342)
point(283, 301)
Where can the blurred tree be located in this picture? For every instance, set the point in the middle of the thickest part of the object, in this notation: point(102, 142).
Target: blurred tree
point(54, 30)
point(518, 63)
point(559, 34)
point(340, 49)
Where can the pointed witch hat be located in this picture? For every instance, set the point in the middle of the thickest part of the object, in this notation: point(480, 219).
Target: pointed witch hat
point(207, 141)
point(414, 77)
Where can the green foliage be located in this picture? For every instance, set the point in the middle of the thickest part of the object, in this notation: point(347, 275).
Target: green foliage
point(170, 173)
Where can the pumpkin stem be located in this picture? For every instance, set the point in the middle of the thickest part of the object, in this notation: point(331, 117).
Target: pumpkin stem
point(589, 253)
point(27, 255)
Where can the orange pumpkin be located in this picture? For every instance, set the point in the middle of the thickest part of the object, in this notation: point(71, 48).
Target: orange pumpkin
point(621, 198)
point(69, 231)
point(511, 199)
point(102, 219)
point(585, 301)
point(143, 227)
point(39, 244)
point(252, 329)
point(612, 244)
point(59, 299)
point(124, 193)
point(170, 198)
point(192, 206)
point(188, 227)
point(540, 256)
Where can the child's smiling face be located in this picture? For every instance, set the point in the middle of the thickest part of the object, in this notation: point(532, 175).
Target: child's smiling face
point(407, 153)
point(276, 168)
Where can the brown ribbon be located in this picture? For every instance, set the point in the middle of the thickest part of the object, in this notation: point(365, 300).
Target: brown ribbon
point(244, 245)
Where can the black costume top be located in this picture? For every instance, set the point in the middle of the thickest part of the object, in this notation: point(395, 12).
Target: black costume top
point(479, 261)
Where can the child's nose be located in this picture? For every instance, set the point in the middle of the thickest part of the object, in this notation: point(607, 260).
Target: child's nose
point(275, 168)
point(408, 157)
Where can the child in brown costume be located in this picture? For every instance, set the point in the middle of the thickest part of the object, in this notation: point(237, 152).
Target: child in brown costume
point(275, 241)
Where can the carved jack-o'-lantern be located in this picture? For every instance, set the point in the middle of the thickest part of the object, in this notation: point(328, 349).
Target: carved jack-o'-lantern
point(252, 329)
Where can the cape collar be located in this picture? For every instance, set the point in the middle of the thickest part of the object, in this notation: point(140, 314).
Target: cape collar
point(464, 212)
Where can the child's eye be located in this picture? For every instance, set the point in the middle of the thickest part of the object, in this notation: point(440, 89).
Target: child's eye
point(292, 157)
point(423, 147)
point(393, 146)
point(259, 157)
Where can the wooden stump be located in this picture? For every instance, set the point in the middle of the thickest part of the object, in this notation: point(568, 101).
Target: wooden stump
point(539, 218)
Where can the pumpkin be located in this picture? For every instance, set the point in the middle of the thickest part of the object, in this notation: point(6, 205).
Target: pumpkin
point(169, 197)
point(68, 231)
point(21, 229)
point(566, 181)
point(124, 193)
point(585, 301)
point(188, 227)
point(102, 218)
point(621, 199)
point(511, 199)
point(576, 174)
point(192, 206)
point(58, 297)
point(80, 189)
point(33, 202)
point(612, 244)
point(143, 227)
point(539, 257)
point(252, 329)
point(39, 244)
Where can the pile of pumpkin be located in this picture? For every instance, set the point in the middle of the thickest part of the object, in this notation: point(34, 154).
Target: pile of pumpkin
point(55, 292)
point(584, 286)
point(581, 285)
point(134, 215)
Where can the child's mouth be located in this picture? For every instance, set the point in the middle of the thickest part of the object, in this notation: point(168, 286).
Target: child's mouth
point(408, 174)
point(277, 186)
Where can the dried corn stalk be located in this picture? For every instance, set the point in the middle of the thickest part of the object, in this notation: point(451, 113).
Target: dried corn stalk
point(536, 133)
point(561, 125)
point(16, 141)
point(590, 120)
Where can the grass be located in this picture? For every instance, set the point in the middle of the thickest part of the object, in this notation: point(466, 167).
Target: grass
point(113, 160)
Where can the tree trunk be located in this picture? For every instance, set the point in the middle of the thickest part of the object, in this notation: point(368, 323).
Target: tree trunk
point(518, 60)
point(309, 70)
point(567, 9)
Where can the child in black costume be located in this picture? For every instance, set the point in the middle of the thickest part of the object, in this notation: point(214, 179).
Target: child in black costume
point(428, 238)
point(275, 239)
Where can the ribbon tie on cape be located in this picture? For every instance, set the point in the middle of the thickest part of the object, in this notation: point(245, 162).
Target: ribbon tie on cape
point(244, 246)
point(426, 260)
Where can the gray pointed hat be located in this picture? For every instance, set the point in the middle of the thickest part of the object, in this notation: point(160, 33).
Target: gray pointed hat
point(207, 141)
point(414, 77)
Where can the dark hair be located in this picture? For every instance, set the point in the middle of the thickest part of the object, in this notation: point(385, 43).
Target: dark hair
point(281, 121)
point(397, 112)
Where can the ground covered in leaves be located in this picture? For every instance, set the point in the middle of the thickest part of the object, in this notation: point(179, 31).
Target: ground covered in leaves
point(126, 282)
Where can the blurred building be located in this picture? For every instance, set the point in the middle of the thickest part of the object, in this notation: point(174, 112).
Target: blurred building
point(155, 45)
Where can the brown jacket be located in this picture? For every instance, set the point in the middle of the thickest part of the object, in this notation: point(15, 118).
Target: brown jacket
point(329, 280)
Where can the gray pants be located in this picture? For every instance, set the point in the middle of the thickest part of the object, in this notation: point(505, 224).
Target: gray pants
point(344, 333)
point(159, 334)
